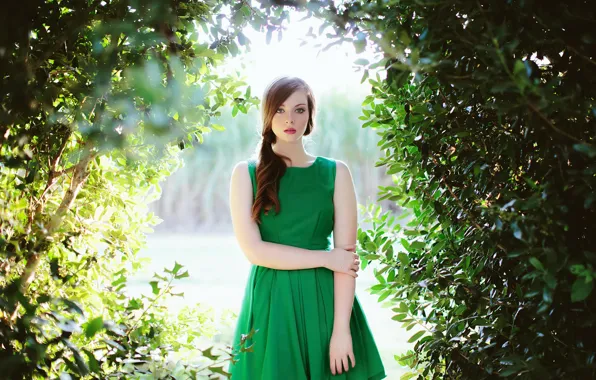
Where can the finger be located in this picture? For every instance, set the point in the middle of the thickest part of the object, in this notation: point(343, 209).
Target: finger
point(339, 366)
point(345, 363)
point(356, 256)
point(332, 365)
point(352, 359)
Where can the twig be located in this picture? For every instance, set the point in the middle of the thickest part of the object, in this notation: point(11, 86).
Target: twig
point(158, 296)
point(550, 124)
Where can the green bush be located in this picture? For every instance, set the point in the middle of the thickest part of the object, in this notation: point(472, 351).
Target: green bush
point(96, 100)
point(486, 112)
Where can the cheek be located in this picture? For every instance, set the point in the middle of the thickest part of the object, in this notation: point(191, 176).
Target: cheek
point(303, 117)
point(277, 121)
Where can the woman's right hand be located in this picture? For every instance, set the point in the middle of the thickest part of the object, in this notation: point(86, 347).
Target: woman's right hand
point(343, 261)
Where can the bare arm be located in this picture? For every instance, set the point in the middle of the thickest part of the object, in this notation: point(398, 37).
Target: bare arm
point(344, 234)
point(344, 286)
point(258, 252)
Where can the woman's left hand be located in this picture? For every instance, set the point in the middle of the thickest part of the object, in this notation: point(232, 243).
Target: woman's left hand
point(340, 349)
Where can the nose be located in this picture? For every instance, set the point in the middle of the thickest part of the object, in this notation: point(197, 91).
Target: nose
point(289, 120)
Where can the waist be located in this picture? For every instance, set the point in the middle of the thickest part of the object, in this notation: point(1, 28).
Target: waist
point(310, 245)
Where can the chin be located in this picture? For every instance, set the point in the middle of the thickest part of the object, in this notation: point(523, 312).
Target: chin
point(289, 138)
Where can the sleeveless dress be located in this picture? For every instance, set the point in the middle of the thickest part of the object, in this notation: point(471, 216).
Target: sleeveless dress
point(293, 309)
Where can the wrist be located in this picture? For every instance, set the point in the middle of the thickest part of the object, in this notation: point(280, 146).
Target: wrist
point(323, 257)
point(341, 328)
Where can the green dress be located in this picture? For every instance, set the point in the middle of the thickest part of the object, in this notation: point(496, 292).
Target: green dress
point(293, 309)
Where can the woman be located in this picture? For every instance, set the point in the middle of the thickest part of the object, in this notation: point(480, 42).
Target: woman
point(300, 293)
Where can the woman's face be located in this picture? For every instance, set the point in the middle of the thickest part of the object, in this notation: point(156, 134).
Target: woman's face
point(291, 118)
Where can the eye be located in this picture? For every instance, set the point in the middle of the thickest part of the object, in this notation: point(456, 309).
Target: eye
point(300, 110)
point(279, 110)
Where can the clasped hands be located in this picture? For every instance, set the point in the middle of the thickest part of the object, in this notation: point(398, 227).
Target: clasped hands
point(344, 260)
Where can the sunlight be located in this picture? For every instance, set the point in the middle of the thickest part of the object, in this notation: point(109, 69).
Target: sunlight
point(325, 71)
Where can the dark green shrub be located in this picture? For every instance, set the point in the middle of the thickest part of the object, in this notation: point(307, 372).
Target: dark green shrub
point(487, 116)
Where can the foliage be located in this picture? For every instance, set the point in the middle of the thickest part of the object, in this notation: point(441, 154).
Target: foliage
point(97, 99)
point(487, 121)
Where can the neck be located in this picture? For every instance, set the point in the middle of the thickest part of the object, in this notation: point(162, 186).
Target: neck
point(294, 151)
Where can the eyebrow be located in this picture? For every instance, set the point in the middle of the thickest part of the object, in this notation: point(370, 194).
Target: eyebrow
point(301, 104)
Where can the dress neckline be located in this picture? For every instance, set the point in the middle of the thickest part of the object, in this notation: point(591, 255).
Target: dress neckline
point(305, 167)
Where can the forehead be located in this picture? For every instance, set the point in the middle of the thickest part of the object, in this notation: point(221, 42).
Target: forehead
point(298, 97)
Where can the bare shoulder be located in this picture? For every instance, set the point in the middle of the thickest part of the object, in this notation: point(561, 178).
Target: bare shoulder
point(342, 171)
point(240, 166)
point(344, 195)
point(240, 173)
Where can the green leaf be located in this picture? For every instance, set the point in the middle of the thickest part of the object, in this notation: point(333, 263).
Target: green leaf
point(403, 307)
point(359, 45)
point(93, 363)
point(219, 370)
point(416, 336)
point(403, 258)
point(176, 268)
point(516, 231)
point(370, 246)
point(406, 245)
point(120, 280)
point(386, 294)
point(81, 364)
point(72, 306)
point(519, 67)
point(399, 317)
point(93, 327)
point(510, 371)
point(411, 325)
point(154, 287)
point(208, 354)
point(581, 289)
point(114, 328)
point(409, 232)
point(364, 76)
point(114, 344)
point(408, 376)
point(536, 263)
point(418, 245)
point(181, 275)
point(586, 149)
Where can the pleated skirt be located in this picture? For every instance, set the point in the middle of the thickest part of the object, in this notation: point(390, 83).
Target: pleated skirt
point(292, 311)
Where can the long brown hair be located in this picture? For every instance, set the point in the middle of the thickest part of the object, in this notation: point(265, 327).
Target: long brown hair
point(271, 167)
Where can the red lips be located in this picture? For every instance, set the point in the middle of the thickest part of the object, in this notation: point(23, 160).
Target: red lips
point(290, 131)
